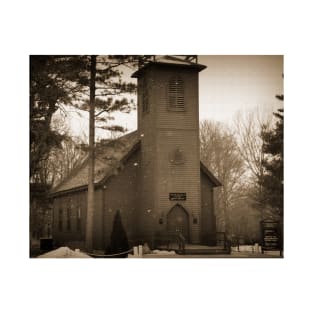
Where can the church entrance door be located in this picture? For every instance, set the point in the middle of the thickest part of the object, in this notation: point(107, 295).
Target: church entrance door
point(178, 221)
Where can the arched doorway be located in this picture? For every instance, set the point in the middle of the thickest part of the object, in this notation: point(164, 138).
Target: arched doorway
point(178, 221)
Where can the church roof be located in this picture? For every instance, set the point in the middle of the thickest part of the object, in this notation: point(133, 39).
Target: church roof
point(214, 180)
point(172, 60)
point(169, 60)
point(109, 156)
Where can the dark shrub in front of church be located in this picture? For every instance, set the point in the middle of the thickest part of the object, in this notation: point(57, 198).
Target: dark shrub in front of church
point(119, 241)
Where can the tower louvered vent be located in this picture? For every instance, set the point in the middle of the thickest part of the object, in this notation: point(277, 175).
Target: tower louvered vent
point(176, 94)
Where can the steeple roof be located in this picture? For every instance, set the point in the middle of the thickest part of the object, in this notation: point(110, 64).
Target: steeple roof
point(169, 60)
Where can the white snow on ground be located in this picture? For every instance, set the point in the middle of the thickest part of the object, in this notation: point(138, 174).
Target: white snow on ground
point(243, 248)
point(253, 249)
point(247, 248)
point(64, 252)
point(153, 252)
point(163, 252)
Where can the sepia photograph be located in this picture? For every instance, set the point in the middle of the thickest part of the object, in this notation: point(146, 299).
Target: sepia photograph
point(173, 131)
point(156, 156)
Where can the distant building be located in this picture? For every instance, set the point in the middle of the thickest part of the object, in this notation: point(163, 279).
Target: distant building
point(154, 175)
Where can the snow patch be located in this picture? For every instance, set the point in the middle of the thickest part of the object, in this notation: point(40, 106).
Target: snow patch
point(163, 252)
point(247, 248)
point(64, 252)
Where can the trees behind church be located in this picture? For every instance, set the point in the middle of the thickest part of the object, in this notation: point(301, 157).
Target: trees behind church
point(219, 152)
point(248, 127)
point(273, 164)
point(61, 83)
point(248, 160)
point(260, 143)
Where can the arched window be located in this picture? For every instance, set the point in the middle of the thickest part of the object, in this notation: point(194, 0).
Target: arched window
point(78, 219)
point(68, 219)
point(60, 219)
point(176, 94)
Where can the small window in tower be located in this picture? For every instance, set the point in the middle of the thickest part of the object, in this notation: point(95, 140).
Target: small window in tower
point(176, 94)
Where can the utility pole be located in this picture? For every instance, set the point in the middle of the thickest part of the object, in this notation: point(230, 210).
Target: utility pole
point(91, 156)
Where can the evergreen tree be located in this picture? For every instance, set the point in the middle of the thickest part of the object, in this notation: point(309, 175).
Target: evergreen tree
point(273, 164)
point(91, 83)
point(119, 241)
point(57, 81)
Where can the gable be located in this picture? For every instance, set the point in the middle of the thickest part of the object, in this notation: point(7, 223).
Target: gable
point(108, 158)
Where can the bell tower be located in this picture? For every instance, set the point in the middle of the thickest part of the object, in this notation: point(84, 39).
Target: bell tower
point(168, 126)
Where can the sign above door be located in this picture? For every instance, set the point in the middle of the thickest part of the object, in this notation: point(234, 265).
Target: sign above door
point(177, 196)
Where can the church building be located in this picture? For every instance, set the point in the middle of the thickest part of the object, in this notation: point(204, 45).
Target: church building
point(153, 176)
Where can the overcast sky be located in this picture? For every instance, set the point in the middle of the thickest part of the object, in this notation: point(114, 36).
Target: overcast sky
point(233, 83)
point(229, 84)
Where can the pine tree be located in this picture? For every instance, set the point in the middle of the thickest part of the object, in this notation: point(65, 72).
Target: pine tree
point(273, 164)
point(119, 241)
point(58, 81)
point(91, 83)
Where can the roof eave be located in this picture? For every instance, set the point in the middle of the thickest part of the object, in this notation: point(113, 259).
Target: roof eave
point(213, 179)
point(72, 190)
point(197, 67)
point(102, 181)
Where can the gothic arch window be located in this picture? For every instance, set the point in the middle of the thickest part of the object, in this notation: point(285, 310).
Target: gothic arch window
point(176, 94)
point(78, 219)
point(68, 219)
point(60, 219)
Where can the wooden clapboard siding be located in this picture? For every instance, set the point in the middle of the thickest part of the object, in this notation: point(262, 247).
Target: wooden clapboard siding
point(183, 177)
point(164, 130)
point(74, 201)
point(208, 221)
point(167, 118)
point(121, 193)
point(98, 240)
point(147, 135)
point(168, 161)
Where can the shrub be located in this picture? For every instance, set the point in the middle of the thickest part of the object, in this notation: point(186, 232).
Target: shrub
point(119, 241)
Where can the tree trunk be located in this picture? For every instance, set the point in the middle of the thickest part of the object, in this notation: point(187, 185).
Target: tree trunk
point(91, 158)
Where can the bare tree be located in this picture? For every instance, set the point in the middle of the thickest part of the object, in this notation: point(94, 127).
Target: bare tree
point(62, 159)
point(220, 153)
point(249, 126)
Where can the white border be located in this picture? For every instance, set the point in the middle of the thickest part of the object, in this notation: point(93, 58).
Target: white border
point(221, 27)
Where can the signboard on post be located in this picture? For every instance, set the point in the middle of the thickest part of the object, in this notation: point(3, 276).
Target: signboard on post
point(271, 237)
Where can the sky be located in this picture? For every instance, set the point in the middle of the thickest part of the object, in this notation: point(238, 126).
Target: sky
point(239, 83)
point(230, 84)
